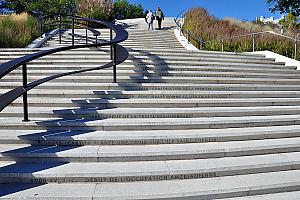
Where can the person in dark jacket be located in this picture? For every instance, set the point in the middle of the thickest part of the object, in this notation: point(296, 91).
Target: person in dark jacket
point(159, 17)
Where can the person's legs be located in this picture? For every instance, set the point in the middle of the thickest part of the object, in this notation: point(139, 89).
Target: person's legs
point(151, 25)
point(159, 23)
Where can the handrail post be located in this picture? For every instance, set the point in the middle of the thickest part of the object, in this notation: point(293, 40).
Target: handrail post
point(96, 41)
point(115, 61)
point(25, 101)
point(86, 36)
point(73, 32)
point(41, 27)
point(200, 43)
point(222, 41)
point(253, 42)
point(295, 56)
point(60, 22)
point(111, 46)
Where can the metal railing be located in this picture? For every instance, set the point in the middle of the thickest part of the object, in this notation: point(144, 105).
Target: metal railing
point(254, 36)
point(118, 55)
point(200, 43)
point(179, 20)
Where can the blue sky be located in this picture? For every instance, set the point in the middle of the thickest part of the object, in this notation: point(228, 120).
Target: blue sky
point(240, 9)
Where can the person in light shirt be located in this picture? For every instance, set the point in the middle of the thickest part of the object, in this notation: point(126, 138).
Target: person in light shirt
point(149, 19)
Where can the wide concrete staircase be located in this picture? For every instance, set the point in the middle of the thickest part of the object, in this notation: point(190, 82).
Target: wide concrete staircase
point(178, 124)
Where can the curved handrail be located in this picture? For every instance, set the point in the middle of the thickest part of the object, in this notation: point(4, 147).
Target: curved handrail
point(198, 40)
point(120, 54)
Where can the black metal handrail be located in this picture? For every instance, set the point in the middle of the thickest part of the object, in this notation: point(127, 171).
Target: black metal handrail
point(255, 34)
point(200, 42)
point(118, 55)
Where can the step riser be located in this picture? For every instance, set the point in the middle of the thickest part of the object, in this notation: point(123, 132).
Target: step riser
point(149, 126)
point(165, 74)
point(156, 63)
point(200, 80)
point(137, 69)
point(156, 105)
point(133, 53)
point(138, 58)
point(163, 88)
point(164, 96)
point(66, 141)
point(53, 158)
point(99, 116)
point(86, 178)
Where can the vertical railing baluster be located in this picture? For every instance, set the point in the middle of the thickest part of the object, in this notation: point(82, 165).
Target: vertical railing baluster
point(41, 27)
point(295, 56)
point(86, 36)
point(73, 31)
point(25, 101)
point(253, 42)
point(111, 46)
point(60, 29)
point(222, 41)
point(115, 61)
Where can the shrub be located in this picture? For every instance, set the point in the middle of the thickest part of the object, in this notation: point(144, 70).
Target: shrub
point(42, 7)
point(17, 30)
point(95, 9)
point(124, 10)
point(211, 30)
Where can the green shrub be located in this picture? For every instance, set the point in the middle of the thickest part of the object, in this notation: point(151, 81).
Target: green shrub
point(17, 30)
point(211, 30)
point(125, 10)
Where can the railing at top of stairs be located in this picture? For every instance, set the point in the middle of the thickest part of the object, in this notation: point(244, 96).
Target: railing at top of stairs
point(118, 55)
point(180, 19)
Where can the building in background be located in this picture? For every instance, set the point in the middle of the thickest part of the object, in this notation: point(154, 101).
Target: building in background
point(269, 20)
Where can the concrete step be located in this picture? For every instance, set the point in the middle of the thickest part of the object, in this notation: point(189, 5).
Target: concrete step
point(159, 61)
point(148, 137)
point(133, 52)
point(155, 102)
point(274, 196)
point(285, 182)
point(148, 123)
point(139, 50)
point(160, 79)
point(128, 113)
point(158, 152)
point(167, 68)
point(152, 58)
point(157, 86)
point(159, 73)
point(11, 172)
point(157, 94)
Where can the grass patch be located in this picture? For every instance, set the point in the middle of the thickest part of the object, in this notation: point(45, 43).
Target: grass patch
point(200, 24)
point(17, 30)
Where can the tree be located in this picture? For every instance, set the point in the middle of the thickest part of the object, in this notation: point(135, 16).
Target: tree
point(124, 10)
point(289, 22)
point(285, 6)
point(42, 7)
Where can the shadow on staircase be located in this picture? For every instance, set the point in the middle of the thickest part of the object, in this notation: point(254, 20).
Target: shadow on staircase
point(63, 128)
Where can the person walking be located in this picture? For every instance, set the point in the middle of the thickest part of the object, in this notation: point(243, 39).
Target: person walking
point(159, 17)
point(149, 19)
